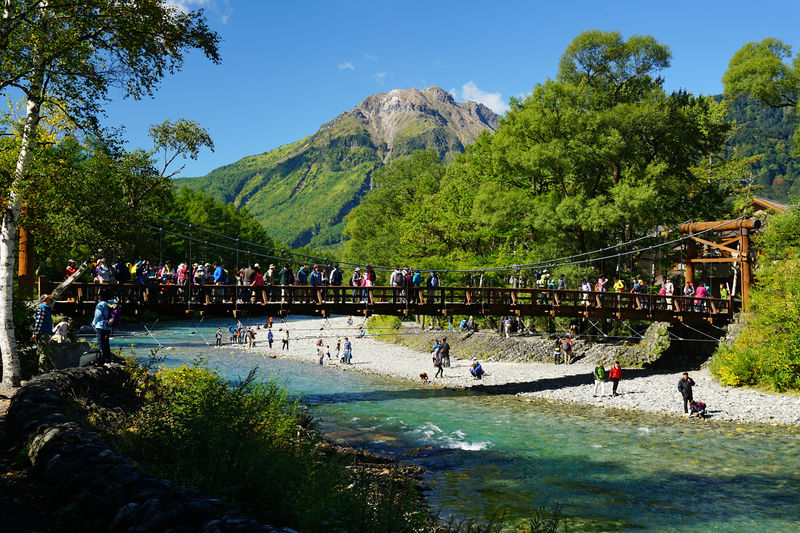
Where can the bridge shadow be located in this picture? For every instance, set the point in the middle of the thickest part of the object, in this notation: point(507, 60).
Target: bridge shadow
point(386, 395)
point(428, 392)
point(556, 383)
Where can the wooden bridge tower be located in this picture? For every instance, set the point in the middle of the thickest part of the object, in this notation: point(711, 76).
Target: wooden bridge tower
point(734, 248)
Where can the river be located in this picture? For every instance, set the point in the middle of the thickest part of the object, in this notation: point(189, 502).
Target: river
point(497, 454)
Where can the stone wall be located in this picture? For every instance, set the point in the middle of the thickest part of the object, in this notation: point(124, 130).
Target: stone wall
point(485, 344)
point(98, 483)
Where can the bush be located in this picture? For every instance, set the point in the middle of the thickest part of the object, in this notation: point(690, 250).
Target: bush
point(767, 353)
point(252, 446)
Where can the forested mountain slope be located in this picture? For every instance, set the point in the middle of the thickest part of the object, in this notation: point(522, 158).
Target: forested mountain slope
point(768, 131)
point(302, 191)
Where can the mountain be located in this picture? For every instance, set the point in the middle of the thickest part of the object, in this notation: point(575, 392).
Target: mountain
point(302, 191)
point(762, 130)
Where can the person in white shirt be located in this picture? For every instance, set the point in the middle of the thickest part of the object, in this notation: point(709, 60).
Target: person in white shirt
point(61, 331)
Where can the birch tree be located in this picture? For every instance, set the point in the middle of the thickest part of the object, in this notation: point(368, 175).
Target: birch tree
point(70, 55)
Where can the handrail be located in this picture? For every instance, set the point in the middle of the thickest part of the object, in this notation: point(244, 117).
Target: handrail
point(477, 300)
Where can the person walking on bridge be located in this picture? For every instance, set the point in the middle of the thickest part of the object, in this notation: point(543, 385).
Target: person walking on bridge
point(355, 282)
point(316, 284)
point(335, 281)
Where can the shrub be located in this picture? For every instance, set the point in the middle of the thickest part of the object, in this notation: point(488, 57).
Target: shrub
point(252, 446)
point(767, 353)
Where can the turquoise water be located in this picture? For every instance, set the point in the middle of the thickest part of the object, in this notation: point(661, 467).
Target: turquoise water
point(498, 454)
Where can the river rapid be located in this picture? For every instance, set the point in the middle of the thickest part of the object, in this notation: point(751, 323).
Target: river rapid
point(492, 455)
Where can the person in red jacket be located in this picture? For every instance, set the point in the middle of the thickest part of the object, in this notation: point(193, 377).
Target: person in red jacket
point(615, 374)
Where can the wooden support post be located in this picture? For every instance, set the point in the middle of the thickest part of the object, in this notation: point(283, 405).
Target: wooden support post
point(691, 251)
point(744, 257)
point(25, 268)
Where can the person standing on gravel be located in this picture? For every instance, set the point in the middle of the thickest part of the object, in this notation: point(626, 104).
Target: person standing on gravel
point(615, 374)
point(557, 350)
point(600, 378)
point(438, 363)
point(567, 349)
point(444, 350)
point(285, 345)
point(348, 351)
point(685, 387)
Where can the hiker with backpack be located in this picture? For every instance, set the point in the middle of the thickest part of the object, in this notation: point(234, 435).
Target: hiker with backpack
point(566, 347)
point(432, 282)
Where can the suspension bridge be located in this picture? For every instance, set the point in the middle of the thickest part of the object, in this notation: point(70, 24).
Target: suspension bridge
point(701, 243)
point(232, 300)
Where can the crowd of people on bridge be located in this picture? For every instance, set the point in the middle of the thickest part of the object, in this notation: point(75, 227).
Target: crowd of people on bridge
point(206, 282)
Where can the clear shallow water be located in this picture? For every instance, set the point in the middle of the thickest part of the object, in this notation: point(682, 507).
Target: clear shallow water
point(492, 454)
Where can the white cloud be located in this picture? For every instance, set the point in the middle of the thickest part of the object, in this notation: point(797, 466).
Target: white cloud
point(220, 8)
point(347, 65)
point(380, 77)
point(471, 92)
point(370, 57)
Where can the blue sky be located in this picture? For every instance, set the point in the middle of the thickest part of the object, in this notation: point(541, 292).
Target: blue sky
point(289, 67)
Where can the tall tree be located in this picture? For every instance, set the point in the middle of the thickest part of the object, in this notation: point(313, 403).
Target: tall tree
point(761, 70)
point(69, 55)
point(589, 159)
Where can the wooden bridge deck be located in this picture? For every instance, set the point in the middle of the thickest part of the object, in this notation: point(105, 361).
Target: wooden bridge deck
point(222, 300)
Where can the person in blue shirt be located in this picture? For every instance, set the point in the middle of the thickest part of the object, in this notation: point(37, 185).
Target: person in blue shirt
point(219, 274)
point(348, 351)
point(476, 370)
point(302, 276)
point(102, 312)
point(316, 282)
point(43, 319)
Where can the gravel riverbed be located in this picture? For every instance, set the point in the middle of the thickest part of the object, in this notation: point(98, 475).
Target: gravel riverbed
point(639, 390)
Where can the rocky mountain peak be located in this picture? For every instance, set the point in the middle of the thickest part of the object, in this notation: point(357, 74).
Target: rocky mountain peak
point(401, 112)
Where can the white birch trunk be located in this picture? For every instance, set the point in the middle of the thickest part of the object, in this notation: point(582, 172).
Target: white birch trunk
point(8, 235)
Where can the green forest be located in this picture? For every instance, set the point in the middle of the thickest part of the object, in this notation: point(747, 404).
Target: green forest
point(766, 133)
point(596, 156)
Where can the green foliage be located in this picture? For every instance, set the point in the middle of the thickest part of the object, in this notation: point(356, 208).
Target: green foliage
point(574, 166)
point(298, 190)
point(88, 198)
point(767, 352)
point(302, 191)
point(183, 138)
point(764, 135)
point(251, 445)
point(201, 210)
point(762, 71)
point(759, 70)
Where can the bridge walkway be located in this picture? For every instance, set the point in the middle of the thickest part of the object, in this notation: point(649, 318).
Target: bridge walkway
point(227, 300)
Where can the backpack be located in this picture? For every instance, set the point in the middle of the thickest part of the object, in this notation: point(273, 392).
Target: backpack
point(567, 346)
point(114, 317)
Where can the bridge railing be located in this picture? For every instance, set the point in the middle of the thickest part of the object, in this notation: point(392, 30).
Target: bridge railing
point(496, 300)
